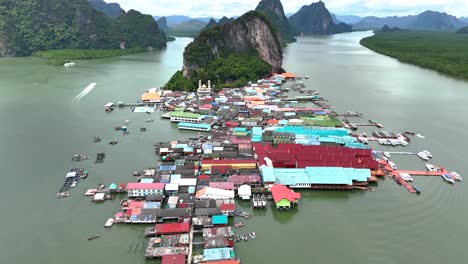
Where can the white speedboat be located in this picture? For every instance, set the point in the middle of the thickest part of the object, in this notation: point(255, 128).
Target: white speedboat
point(385, 158)
point(423, 155)
point(447, 178)
point(392, 165)
point(406, 176)
point(386, 154)
point(431, 167)
point(428, 154)
point(457, 176)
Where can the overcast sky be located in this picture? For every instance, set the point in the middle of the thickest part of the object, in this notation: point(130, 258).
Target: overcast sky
point(229, 8)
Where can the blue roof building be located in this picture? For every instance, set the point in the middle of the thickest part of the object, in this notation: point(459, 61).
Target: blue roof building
point(210, 254)
point(303, 178)
point(219, 219)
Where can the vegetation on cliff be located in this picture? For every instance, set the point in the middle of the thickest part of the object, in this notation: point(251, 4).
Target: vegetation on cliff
point(235, 70)
point(28, 26)
point(231, 54)
point(443, 51)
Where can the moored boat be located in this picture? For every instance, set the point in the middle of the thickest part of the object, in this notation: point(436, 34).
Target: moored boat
point(418, 191)
point(447, 178)
point(406, 176)
point(386, 154)
point(457, 176)
point(428, 154)
point(431, 167)
point(253, 235)
point(423, 155)
point(93, 237)
point(392, 165)
point(109, 222)
point(238, 225)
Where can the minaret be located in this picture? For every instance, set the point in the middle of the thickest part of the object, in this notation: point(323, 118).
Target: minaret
point(209, 84)
point(199, 84)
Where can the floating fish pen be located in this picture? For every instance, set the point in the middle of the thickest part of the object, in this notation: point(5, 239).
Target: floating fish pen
point(71, 180)
point(100, 158)
point(384, 134)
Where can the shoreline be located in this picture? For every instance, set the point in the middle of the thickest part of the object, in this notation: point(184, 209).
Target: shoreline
point(407, 55)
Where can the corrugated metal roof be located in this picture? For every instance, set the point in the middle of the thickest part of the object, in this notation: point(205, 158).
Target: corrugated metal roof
point(172, 228)
point(319, 175)
point(137, 185)
point(218, 254)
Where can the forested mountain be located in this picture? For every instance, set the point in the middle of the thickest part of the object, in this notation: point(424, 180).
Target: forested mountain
point(231, 54)
point(425, 20)
point(32, 25)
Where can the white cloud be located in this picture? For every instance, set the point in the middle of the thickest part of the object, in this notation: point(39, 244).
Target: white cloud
point(219, 8)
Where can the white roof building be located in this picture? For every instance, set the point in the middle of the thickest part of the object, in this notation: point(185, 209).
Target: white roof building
point(214, 194)
point(244, 192)
point(185, 181)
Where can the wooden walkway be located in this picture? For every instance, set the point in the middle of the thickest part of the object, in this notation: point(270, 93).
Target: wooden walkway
point(189, 257)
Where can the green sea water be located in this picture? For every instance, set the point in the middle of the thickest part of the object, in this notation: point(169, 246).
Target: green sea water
point(43, 125)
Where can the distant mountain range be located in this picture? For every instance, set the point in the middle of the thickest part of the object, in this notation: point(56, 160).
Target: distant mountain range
point(426, 20)
point(189, 25)
point(174, 20)
point(348, 19)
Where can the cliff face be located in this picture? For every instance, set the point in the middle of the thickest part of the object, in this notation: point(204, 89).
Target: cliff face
point(250, 32)
point(33, 25)
point(316, 19)
point(273, 10)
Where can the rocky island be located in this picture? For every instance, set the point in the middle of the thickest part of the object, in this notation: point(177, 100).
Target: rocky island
point(231, 54)
point(316, 19)
point(36, 25)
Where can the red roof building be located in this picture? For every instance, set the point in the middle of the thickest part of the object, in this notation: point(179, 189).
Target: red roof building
point(137, 189)
point(173, 259)
point(139, 185)
point(222, 185)
point(300, 156)
point(206, 107)
point(238, 180)
point(171, 228)
point(281, 192)
point(227, 208)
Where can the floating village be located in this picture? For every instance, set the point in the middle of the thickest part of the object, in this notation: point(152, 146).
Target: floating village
point(257, 144)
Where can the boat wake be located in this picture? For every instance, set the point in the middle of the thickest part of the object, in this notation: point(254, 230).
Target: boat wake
point(85, 92)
